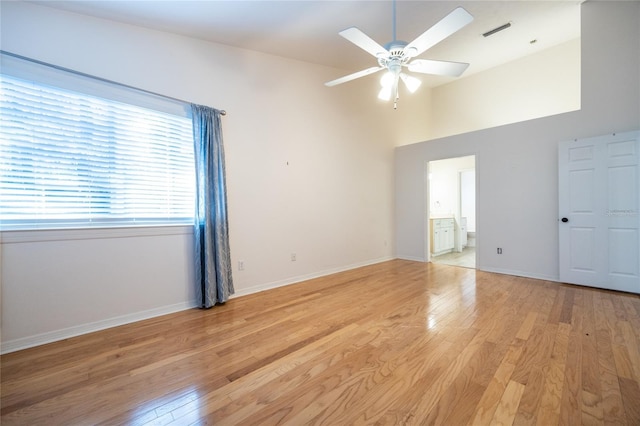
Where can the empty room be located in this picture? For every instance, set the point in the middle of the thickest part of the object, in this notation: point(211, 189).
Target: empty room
point(237, 212)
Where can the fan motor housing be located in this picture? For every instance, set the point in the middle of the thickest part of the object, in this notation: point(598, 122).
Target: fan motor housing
point(396, 48)
point(396, 54)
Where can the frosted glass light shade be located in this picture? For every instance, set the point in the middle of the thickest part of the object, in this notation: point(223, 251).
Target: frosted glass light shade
point(386, 92)
point(387, 79)
point(411, 82)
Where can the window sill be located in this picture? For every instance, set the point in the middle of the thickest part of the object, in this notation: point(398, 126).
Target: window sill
point(42, 235)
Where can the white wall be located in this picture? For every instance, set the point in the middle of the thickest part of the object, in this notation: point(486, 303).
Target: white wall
point(70, 282)
point(538, 85)
point(516, 165)
point(468, 197)
point(310, 171)
point(444, 183)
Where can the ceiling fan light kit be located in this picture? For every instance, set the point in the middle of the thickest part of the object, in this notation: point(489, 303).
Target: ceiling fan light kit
point(397, 54)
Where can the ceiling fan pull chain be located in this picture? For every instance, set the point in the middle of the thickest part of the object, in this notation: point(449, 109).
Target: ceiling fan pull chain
point(396, 97)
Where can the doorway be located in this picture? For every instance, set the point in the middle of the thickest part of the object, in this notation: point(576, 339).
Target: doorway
point(451, 211)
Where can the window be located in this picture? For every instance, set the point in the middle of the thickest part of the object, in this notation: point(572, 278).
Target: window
point(71, 159)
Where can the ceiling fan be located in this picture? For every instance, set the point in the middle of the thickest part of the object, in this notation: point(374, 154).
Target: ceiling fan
point(398, 54)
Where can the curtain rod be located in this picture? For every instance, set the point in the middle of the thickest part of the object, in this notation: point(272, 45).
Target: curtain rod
point(104, 80)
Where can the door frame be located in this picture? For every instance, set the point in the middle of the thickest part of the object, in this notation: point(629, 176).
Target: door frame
point(427, 203)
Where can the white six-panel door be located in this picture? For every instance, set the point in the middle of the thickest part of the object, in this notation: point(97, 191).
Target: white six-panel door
point(599, 221)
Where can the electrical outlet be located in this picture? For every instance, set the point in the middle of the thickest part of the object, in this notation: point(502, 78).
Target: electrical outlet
point(240, 265)
point(293, 257)
point(499, 250)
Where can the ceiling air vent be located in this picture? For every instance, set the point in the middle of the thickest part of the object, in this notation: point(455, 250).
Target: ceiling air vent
point(498, 29)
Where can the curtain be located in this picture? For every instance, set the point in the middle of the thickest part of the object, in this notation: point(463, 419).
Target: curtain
point(214, 283)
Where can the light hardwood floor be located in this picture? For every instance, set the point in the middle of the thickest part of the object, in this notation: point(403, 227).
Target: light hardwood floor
point(466, 258)
point(389, 344)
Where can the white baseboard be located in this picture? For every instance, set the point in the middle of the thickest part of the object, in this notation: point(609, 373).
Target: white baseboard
point(412, 258)
point(65, 333)
point(521, 274)
point(300, 278)
point(44, 338)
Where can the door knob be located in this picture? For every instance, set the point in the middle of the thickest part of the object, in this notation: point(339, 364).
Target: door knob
point(565, 220)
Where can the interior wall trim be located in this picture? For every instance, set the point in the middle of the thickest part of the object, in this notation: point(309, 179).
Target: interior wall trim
point(66, 333)
point(300, 278)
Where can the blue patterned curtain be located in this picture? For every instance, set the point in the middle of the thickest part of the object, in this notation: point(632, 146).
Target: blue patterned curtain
point(214, 283)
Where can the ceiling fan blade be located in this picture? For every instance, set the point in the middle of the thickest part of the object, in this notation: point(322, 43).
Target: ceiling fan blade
point(427, 66)
point(363, 41)
point(353, 76)
point(443, 29)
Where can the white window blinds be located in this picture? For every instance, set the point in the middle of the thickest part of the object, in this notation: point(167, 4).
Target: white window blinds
point(69, 159)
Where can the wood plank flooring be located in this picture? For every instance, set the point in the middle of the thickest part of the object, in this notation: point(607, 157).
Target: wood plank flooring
point(396, 343)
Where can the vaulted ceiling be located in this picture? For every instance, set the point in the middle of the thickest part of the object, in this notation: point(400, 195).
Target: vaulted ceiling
point(308, 30)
